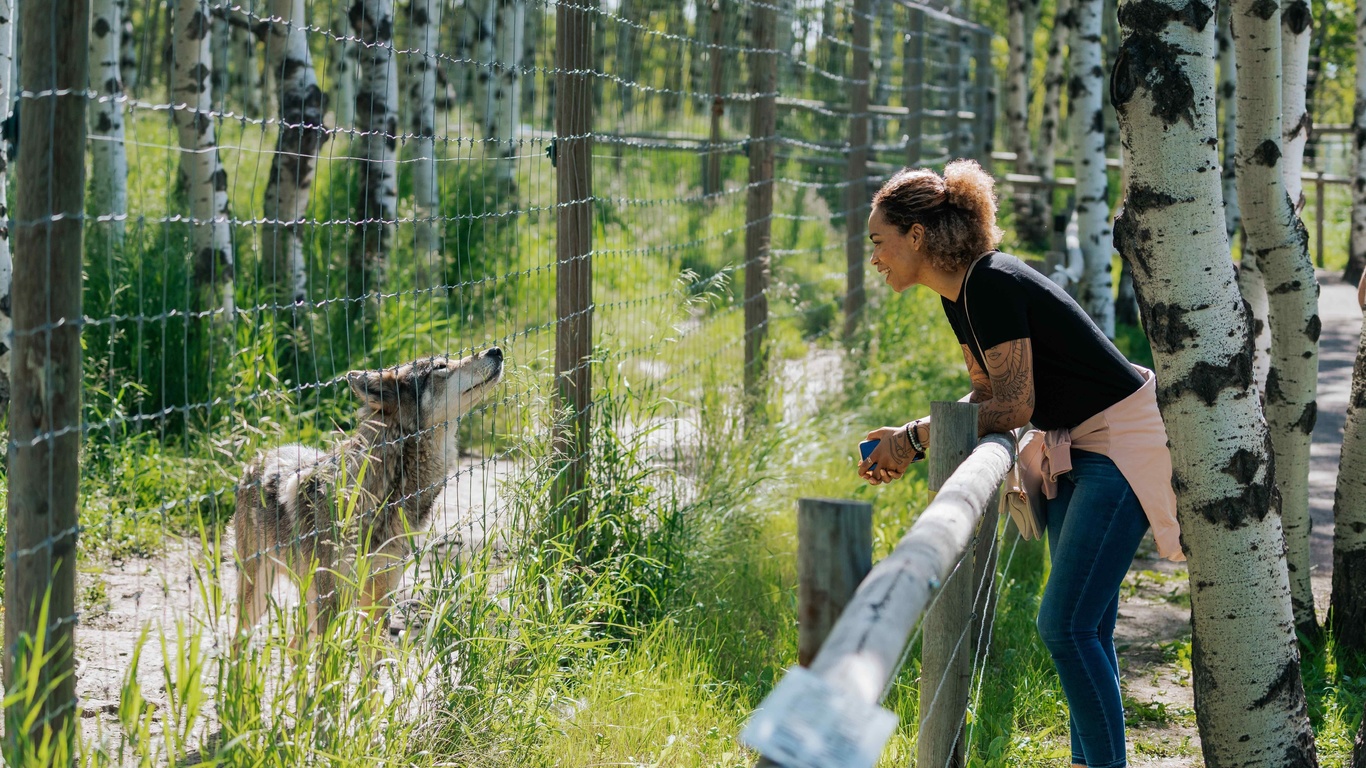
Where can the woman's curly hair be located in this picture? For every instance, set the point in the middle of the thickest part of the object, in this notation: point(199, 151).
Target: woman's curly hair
point(957, 210)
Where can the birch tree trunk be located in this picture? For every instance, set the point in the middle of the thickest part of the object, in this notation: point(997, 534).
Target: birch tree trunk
point(628, 60)
point(1095, 294)
point(128, 48)
point(244, 79)
point(301, 136)
point(376, 136)
point(1356, 253)
point(1054, 78)
point(206, 180)
point(1249, 698)
point(343, 63)
point(499, 96)
point(1030, 223)
point(422, 93)
point(1228, 98)
point(1280, 243)
point(531, 40)
point(220, 39)
point(6, 261)
point(1347, 609)
point(108, 154)
point(1296, 31)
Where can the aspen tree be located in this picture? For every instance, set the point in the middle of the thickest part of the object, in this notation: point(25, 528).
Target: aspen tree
point(377, 137)
point(1347, 607)
point(498, 96)
point(128, 48)
point(6, 262)
point(1297, 23)
point(1249, 699)
point(1085, 88)
point(1228, 91)
point(1356, 256)
point(1022, 16)
point(1054, 79)
point(301, 136)
point(1280, 244)
point(343, 61)
point(108, 154)
point(206, 180)
point(425, 16)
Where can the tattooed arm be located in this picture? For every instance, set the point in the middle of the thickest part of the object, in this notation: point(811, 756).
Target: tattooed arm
point(1010, 400)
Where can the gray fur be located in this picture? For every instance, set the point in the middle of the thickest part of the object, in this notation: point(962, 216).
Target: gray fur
point(312, 514)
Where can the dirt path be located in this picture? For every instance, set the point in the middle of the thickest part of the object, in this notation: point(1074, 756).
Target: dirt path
point(1153, 635)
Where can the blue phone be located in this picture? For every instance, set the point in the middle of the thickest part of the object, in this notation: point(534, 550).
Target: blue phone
point(866, 448)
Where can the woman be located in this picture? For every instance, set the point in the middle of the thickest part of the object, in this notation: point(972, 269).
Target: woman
point(1034, 356)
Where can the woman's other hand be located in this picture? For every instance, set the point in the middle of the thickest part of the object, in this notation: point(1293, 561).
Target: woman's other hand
point(892, 455)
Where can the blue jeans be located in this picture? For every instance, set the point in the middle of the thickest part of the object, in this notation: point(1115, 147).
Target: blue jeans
point(1094, 527)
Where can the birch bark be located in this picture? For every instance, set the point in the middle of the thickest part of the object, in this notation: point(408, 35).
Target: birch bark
point(244, 79)
point(1096, 292)
point(1356, 256)
point(498, 94)
point(108, 154)
point(301, 136)
point(1228, 93)
point(377, 137)
point(6, 262)
point(1296, 30)
point(128, 48)
point(1280, 244)
point(422, 94)
point(1249, 698)
point(1054, 78)
point(1347, 609)
point(206, 180)
point(1031, 224)
point(344, 60)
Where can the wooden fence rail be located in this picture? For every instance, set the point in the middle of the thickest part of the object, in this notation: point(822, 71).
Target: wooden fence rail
point(827, 713)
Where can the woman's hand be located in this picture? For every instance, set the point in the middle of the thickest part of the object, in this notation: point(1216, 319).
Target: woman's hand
point(892, 455)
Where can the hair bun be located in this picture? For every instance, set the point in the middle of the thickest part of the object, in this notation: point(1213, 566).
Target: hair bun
point(967, 186)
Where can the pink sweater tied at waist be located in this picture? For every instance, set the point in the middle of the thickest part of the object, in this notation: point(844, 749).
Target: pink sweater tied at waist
point(1131, 434)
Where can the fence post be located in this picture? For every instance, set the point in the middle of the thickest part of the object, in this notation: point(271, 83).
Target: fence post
point(834, 553)
point(573, 152)
point(913, 84)
point(985, 99)
point(711, 178)
point(856, 176)
point(946, 648)
point(45, 404)
point(759, 208)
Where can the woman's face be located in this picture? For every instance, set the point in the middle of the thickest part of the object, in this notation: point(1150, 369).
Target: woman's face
point(897, 256)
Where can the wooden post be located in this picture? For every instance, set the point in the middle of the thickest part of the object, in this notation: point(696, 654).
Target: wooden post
point(946, 645)
point(1318, 217)
point(759, 209)
point(45, 404)
point(954, 86)
point(711, 178)
point(834, 553)
point(984, 101)
point(913, 84)
point(856, 192)
point(984, 557)
point(574, 244)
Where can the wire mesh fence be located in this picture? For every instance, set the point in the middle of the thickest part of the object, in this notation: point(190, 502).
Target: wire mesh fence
point(511, 232)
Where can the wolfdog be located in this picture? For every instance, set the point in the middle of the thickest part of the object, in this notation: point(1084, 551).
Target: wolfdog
point(312, 514)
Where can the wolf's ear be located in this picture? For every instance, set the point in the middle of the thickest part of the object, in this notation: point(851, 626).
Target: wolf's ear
point(379, 389)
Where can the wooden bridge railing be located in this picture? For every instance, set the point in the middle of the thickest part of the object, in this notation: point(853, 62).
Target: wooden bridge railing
point(826, 713)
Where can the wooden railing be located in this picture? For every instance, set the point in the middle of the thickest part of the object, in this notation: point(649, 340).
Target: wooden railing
point(825, 712)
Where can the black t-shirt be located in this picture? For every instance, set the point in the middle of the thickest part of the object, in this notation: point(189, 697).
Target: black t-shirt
point(1077, 371)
